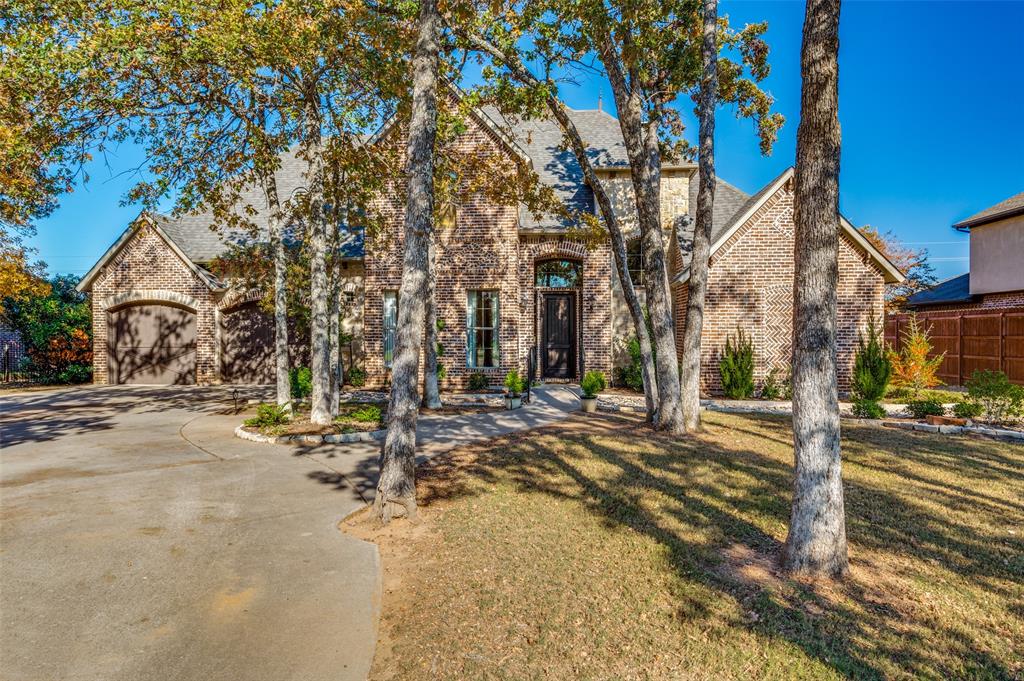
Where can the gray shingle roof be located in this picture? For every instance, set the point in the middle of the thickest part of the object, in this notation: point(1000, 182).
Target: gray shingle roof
point(1011, 206)
point(955, 290)
point(539, 140)
point(729, 203)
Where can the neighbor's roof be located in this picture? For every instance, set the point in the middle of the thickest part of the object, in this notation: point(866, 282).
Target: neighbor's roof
point(955, 290)
point(1004, 209)
point(722, 232)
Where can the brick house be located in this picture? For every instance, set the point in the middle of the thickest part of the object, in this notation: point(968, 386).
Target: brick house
point(508, 284)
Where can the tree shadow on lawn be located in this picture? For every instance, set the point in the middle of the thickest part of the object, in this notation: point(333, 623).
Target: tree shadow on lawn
point(866, 627)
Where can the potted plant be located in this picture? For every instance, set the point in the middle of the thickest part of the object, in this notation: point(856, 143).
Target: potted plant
point(593, 383)
point(513, 390)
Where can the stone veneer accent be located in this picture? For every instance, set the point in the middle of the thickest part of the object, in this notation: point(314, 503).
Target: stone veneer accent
point(751, 287)
point(146, 269)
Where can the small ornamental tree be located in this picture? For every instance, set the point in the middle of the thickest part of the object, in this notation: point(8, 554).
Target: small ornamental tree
point(911, 367)
point(737, 367)
point(872, 368)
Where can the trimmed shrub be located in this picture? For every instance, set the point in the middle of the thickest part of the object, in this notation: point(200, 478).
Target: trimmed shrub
point(514, 383)
point(868, 409)
point(737, 367)
point(631, 375)
point(967, 409)
point(872, 368)
point(268, 415)
point(1000, 399)
point(921, 408)
point(302, 382)
point(593, 383)
point(357, 377)
point(478, 381)
point(771, 389)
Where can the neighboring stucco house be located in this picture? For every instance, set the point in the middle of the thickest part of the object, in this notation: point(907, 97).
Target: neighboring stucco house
point(507, 283)
point(976, 320)
point(996, 276)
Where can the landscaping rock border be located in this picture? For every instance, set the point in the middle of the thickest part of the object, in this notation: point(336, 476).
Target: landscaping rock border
point(628, 403)
point(330, 438)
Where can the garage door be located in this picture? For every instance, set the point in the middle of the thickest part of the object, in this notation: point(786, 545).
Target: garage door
point(247, 345)
point(154, 344)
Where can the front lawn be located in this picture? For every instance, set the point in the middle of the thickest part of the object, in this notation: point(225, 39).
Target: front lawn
point(598, 550)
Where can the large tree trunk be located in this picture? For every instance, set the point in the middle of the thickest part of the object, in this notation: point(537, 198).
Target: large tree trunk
point(319, 224)
point(642, 148)
point(320, 350)
point(700, 252)
point(604, 203)
point(396, 490)
point(281, 360)
point(816, 543)
point(334, 334)
point(431, 387)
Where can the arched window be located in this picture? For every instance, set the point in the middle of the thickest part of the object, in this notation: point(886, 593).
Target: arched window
point(559, 274)
point(635, 262)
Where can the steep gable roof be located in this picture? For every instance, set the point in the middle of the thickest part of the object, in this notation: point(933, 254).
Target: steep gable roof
point(126, 236)
point(1004, 209)
point(746, 211)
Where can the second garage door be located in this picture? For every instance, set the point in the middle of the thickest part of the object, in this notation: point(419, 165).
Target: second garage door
point(152, 344)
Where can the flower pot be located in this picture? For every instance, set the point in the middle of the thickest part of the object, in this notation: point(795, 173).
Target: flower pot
point(513, 401)
point(589, 404)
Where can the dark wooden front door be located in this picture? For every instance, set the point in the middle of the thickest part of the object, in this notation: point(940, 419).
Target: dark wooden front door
point(559, 335)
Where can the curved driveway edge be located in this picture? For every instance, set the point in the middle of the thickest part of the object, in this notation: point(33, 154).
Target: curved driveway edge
point(141, 540)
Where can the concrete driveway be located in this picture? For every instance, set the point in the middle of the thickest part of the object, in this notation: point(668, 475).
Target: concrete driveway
point(140, 540)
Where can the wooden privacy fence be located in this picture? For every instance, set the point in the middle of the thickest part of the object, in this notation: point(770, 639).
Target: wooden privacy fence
point(973, 340)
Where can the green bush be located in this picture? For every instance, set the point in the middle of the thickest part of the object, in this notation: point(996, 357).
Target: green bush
point(478, 381)
point(631, 375)
point(1000, 399)
point(442, 372)
point(514, 383)
point(921, 408)
point(268, 415)
point(967, 409)
point(872, 367)
point(368, 413)
point(356, 377)
point(302, 382)
point(868, 409)
point(771, 389)
point(737, 367)
point(56, 329)
point(593, 383)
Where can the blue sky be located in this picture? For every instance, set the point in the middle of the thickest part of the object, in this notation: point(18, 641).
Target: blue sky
point(931, 107)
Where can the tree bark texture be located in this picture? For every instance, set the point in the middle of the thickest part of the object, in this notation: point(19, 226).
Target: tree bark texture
point(816, 544)
point(604, 203)
point(700, 252)
point(396, 490)
point(431, 387)
point(281, 358)
point(320, 350)
point(334, 336)
point(641, 142)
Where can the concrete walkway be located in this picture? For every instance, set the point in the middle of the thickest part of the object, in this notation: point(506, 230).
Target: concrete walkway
point(140, 540)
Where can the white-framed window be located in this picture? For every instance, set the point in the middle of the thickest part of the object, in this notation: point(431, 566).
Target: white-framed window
point(482, 329)
point(635, 262)
point(390, 326)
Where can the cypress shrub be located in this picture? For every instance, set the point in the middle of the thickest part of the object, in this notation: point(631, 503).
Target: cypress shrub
point(737, 367)
point(872, 367)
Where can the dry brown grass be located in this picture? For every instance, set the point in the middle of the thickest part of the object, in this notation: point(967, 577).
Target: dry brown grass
point(599, 550)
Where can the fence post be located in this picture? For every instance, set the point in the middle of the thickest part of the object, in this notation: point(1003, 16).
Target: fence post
point(1002, 340)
